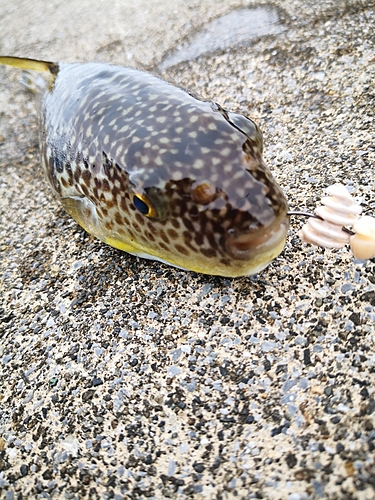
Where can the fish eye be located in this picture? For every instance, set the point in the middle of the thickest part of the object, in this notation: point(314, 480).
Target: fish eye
point(143, 206)
point(140, 205)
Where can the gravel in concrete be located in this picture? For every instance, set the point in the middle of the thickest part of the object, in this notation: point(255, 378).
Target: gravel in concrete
point(123, 378)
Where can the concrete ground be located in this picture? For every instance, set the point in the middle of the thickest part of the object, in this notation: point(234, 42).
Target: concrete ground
point(124, 378)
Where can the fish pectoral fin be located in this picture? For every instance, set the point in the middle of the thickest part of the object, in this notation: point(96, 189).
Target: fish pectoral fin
point(84, 213)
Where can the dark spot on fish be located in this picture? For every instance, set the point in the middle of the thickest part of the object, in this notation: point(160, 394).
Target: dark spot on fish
point(103, 211)
point(115, 191)
point(77, 173)
point(86, 176)
point(139, 218)
point(187, 236)
point(123, 205)
point(193, 212)
point(164, 237)
point(208, 252)
point(154, 229)
point(175, 223)
point(56, 164)
point(188, 224)
point(181, 249)
point(68, 168)
point(173, 234)
point(111, 203)
point(198, 239)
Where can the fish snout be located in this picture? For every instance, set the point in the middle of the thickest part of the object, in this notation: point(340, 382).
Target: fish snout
point(247, 244)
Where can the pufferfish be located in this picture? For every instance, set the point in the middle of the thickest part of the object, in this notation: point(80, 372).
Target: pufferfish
point(152, 169)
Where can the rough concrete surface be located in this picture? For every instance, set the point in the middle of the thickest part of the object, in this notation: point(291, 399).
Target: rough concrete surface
point(124, 378)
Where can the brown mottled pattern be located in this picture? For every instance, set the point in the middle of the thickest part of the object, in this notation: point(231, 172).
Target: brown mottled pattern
point(109, 133)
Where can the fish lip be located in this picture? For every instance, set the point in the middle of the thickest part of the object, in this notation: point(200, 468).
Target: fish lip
point(247, 246)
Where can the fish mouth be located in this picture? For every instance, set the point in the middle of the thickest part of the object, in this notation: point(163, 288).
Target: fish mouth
point(266, 242)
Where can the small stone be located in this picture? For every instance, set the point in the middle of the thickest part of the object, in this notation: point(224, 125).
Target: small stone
point(70, 445)
point(223, 371)
point(306, 357)
point(47, 475)
point(288, 385)
point(171, 467)
point(24, 469)
point(340, 447)
point(249, 420)
point(268, 346)
point(198, 467)
point(328, 390)
point(336, 419)
point(291, 460)
point(173, 371)
point(347, 287)
point(88, 395)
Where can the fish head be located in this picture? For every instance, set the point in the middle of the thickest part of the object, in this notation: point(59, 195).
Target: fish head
point(205, 200)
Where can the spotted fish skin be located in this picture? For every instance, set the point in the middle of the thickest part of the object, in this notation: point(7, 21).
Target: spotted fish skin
point(150, 169)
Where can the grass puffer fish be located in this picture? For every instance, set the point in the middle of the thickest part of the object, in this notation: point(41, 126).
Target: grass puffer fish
point(153, 170)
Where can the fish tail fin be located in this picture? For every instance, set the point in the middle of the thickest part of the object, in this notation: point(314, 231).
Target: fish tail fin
point(30, 64)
